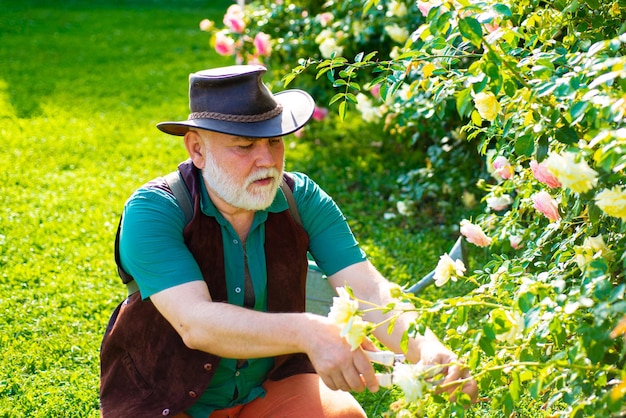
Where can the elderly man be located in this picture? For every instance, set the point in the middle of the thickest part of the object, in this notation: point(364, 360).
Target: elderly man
point(215, 323)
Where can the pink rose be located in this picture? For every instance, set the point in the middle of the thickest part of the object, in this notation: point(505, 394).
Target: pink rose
point(502, 167)
point(375, 91)
point(542, 174)
point(516, 241)
point(262, 44)
point(474, 234)
point(233, 19)
point(325, 18)
point(491, 27)
point(319, 113)
point(224, 44)
point(545, 204)
point(424, 7)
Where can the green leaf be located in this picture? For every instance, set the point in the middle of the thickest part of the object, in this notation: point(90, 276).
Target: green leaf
point(463, 401)
point(478, 121)
point(404, 342)
point(578, 111)
point(535, 387)
point(351, 98)
point(507, 127)
point(342, 111)
point(525, 145)
point(354, 86)
point(330, 75)
point(471, 30)
point(369, 56)
point(336, 97)
point(463, 102)
point(514, 386)
point(322, 72)
point(492, 71)
point(566, 135)
point(543, 147)
point(474, 359)
point(438, 43)
point(488, 331)
point(488, 346)
point(594, 213)
point(526, 301)
point(288, 79)
point(325, 63)
point(510, 88)
point(502, 9)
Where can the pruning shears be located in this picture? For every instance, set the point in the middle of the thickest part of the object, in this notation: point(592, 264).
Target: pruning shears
point(385, 358)
point(390, 359)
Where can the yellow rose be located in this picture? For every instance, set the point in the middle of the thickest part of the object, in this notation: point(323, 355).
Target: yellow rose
point(398, 34)
point(613, 202)
point(447, 269)
point(593, 247)
point(397, 9)
point(344, 307)
point(355, 331)
point(577, 176)
point(487, 105)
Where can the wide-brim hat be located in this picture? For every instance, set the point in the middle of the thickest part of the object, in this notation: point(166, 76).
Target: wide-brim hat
point(233, 100)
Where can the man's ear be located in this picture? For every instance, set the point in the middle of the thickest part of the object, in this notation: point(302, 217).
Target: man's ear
point(196, 148)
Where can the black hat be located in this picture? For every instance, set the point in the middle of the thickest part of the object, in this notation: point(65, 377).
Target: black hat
point(233, 100)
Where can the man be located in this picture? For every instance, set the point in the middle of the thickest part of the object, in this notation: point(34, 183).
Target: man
point(218, 327)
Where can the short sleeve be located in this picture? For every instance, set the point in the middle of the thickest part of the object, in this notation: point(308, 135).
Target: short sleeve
point(152, 247)
point(332, 244)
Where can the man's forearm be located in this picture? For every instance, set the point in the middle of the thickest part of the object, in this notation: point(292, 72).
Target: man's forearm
point(227, 330)
point(235, 332)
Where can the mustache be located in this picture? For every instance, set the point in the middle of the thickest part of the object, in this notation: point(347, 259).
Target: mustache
point(264, 174)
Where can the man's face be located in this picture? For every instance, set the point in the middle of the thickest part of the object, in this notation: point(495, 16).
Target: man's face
point(244, 172)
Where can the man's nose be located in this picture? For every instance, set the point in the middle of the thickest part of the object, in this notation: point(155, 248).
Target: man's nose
point(265, 154)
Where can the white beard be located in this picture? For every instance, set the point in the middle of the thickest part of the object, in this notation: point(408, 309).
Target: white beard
point(247, 196)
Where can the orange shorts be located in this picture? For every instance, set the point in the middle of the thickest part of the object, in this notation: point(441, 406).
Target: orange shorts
point(299, 396)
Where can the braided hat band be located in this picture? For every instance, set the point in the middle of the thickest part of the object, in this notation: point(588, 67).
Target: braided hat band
point(238, 118)
point(234, 100)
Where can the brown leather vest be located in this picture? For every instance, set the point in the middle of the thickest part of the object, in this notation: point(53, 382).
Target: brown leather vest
point(146, 369)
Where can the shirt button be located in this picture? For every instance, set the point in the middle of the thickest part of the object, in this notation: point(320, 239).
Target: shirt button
point(238, 290)
point(237, 373)
point(208, 367)
point(235, 242)
point(192, 394)
point(165, 412)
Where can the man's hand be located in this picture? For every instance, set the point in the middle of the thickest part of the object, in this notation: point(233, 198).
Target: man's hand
point(433, 352)
point(339, 367)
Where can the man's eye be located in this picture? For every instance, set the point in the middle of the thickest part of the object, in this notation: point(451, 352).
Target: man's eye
point(249, 146)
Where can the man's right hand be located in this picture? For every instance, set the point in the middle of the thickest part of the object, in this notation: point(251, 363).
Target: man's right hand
point(339, 367)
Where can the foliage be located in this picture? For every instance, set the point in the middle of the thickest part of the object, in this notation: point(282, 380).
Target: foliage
point(81, 87)
point(82, 84)
point(525, 84)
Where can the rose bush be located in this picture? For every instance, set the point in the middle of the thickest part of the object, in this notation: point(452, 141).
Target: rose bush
point(522, 104)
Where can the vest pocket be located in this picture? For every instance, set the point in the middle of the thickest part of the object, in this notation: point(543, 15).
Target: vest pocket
point(135, 377)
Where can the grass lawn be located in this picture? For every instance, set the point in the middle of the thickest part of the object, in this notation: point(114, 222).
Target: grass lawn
point(82, 84)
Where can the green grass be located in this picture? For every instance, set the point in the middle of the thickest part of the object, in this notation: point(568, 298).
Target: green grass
point(82, 84)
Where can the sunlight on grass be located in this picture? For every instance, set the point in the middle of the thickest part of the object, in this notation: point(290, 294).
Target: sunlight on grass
point(79, 100)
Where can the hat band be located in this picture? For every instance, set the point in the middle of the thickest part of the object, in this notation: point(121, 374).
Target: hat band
point(238, 118)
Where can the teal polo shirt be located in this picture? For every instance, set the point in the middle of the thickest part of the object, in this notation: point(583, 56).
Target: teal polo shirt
point(153, 251)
